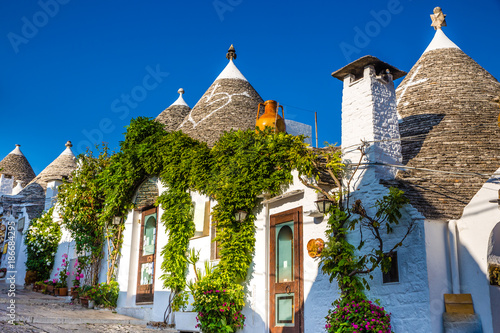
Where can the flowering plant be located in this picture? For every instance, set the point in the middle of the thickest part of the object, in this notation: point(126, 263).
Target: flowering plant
point(79, 266)
point(218, 304)
point(105, 294)
point(63, 272)
point(42, 239)
point(357, 316)
point(50, 282)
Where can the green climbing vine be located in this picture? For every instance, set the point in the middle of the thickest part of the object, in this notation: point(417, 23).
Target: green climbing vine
point(239, 167)
point(81, 205)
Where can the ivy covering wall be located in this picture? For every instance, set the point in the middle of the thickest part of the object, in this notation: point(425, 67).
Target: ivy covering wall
point(242, 165)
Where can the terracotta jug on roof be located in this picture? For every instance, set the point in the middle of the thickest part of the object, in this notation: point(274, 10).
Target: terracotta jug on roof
point(271, 117)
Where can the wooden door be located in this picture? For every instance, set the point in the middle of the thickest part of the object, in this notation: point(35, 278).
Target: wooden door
point(285, 278)
point(147, 256)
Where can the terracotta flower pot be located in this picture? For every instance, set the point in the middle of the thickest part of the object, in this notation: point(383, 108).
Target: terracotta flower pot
point(74, 292)
point(84, 301)
point(56, 291)
point(30, 277)
point(63, 291)
point(50, 289)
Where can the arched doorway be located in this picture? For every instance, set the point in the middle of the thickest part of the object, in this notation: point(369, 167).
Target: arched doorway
point(146, 197)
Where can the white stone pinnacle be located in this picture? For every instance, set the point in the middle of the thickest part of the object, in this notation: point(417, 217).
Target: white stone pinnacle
point(68, 150)
point(441, 41)
point(180, 100)
point(17, 151)
point(231, 72)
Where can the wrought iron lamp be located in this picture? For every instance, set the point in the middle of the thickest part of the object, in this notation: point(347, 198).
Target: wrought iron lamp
point(323, 205)
point(240, 216)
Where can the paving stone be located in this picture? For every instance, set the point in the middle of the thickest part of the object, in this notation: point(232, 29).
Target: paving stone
point(38, 313)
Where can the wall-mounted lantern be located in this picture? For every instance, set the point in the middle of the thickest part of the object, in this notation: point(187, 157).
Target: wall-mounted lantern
point(323, 205)
point(240, 216)
point(117, 220)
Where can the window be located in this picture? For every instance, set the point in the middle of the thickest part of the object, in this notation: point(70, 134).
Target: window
point(214, 248)
point(201, 218)
point(392, 274)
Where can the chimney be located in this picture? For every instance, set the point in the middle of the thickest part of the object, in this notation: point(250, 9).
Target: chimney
point(369, 114)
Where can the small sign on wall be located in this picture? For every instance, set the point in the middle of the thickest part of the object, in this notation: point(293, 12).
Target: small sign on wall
point(20, 224)
point(315, 247)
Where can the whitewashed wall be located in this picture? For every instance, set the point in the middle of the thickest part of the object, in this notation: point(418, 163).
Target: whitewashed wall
point(474, 229)
point(21, 255)
point(438, 269)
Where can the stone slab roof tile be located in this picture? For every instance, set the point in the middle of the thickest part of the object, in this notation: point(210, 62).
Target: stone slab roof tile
point(60, 169)
point(449, 123)
point(16, 165)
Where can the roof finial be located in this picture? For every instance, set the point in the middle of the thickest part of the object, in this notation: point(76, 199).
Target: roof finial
point(69, 144)
point(231, 53)
point(180, 91)
point(438, 19)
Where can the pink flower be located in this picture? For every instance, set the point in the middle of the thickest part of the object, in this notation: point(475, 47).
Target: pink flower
point(78, 277)
point(64, 260)
point(67, 273)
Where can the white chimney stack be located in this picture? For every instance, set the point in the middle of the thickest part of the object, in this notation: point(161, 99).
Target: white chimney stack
point(369, 114)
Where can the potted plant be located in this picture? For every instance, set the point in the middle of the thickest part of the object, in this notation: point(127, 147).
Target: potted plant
point(84, 295)
point(49, 286)
point(78, 278)
point(63, 276)
point(37, 286)
point(30, 278)
point(184, 320)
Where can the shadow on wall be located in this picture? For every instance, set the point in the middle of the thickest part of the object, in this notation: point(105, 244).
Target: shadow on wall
point(319, 300)
point(494, 261)
point(253, 321)
point(414, 131)
point(475, 282)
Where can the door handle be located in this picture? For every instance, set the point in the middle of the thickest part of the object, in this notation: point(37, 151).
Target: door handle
point(288, 289)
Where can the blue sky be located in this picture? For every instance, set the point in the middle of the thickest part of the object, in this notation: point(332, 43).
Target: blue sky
point(67, 66)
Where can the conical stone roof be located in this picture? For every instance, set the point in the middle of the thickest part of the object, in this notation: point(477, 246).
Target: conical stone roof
point(17, 166)
point(60, 169)
point(449, 123)
point(173, 116)
point(230, 103)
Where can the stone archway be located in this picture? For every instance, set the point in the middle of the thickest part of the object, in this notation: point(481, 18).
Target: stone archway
point(494, 276)
point(147, 193)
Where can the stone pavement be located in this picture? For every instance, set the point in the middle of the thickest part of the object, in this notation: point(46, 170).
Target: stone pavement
point(27, 311)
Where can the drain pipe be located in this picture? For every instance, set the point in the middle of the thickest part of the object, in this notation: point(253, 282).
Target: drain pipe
point(267, 233)
point(453, 240)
